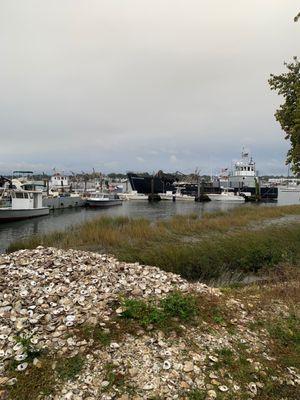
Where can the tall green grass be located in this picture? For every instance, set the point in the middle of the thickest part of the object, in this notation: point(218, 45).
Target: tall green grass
point(243, 251)
point(197, 248)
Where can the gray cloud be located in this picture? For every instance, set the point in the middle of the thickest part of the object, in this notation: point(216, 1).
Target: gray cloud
point(134, 84)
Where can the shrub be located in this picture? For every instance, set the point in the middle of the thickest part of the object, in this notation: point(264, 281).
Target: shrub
point(180, 306)
point(175, 305)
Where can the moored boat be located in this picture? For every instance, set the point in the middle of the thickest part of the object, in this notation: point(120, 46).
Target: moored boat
point(63, 200)
point(21, 204)
point(134, 195)
point(227, 196)
point(103, 200)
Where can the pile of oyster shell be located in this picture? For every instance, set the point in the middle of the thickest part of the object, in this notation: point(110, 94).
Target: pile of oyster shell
point(46, 291)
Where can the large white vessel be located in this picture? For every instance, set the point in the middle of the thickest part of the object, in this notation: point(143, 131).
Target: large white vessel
point(243, 178)
point(243, 174)
point(21, 204)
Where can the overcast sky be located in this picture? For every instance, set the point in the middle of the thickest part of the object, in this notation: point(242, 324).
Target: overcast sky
point(139, 85)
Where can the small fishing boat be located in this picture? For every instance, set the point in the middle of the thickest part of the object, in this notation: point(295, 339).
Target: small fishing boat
point(177, 196)
point(226, 196)
point(103, 200)
point(133, 195)
point(21, 204)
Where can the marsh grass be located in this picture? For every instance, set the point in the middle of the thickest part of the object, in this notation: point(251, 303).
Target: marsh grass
point(196, 247)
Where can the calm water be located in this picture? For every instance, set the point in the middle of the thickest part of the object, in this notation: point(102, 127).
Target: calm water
point(61, 219)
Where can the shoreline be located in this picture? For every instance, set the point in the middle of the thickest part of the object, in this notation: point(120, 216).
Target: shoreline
point(240, 242)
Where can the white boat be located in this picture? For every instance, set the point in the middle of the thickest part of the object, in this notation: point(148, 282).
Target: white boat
point(168, 195)
point(184, 197)
point(21, 204)
point(226, 196)
point(103, 200)
point(177, 196)
point(134, 195)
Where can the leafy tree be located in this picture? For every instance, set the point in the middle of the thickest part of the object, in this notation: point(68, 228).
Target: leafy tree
point(288, 115)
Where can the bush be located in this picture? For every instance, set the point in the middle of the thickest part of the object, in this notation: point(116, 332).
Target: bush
point(180, 306)
point(175, 305)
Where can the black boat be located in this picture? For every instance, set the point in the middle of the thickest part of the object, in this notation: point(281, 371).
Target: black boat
point(162, 183)
point(242, 178)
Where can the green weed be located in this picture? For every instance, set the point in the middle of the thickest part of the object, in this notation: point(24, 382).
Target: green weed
point(174, 306)
point(197, 394)
point(69, 368)
point(285, 333)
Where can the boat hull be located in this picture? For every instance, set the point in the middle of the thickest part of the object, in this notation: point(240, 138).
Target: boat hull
point(135, 197)
point(221, 197)
point(9, 214)
point(102, 204)
point(59, 202)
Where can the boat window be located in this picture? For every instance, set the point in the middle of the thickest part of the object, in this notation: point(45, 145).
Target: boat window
point(26, 195)
point(19, 195)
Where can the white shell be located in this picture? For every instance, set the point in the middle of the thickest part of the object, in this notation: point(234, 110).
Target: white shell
point(166, 365)
point(223, 388)
point(70, 318)
point(253, 388)
point(21, 357)
point(22, 367)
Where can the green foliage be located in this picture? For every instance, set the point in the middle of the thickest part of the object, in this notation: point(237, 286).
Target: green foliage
point(286, 334)
point(176, 305)
point(114, 378)
point(218, 319)
point(31, 351)
point(245, 251)
point(142, 312)
point(180, 306)
point(34, 383)
point(97, 333)
point(69, 368)
point(197, 394)
point(227, 356)
point(288, 115)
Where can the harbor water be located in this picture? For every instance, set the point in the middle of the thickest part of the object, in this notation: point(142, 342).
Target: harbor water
point(62, 219)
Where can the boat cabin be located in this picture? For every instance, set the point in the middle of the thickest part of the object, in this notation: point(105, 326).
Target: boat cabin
point(244, 173)
point(26, 199)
